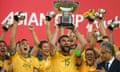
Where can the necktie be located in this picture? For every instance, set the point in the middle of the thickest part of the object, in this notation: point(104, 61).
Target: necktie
point(106, 66)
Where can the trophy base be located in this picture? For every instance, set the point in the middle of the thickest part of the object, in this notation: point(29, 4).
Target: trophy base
point(100, 18)
point(66, 25)
point(48, 18)
point(16, 18)
point(110, 28)
point(91, 20)
point(99, 41)
point(5, 28)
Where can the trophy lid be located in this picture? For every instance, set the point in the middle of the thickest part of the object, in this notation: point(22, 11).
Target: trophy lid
point(66, 4)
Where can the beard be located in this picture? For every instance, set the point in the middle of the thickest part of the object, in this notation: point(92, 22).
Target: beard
point(65, 48)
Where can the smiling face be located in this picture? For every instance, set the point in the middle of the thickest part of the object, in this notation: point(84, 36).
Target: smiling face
point(105, 54)
point(3, 48)
point(72, 37)
point(90, 56)
point(65, 44)
point(24, 47)
point(73, 40)
point(45, 49)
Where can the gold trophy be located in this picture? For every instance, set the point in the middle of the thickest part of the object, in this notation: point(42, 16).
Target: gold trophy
point(66, 8)
point(90, 15)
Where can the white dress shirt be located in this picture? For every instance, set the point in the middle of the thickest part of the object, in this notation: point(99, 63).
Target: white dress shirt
point(110, 62)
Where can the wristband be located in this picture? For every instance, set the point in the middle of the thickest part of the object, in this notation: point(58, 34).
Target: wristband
point(77, 53)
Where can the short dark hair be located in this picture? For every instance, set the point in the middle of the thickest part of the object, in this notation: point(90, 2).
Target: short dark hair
point(2, 41)
point(105, 37)
point(63, 36)
point(108, 46)
point(18, 42)
point(41, 43)
point(24, 40)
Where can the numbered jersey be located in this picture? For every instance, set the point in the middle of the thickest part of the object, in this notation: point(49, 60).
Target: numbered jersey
point(61, 63)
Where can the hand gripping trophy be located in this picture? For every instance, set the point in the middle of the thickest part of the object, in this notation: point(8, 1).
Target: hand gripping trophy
point(100, 13)
point(9, 22)
point(114, 24)
point(66, 8)
point(90, 15)
point(98, 36)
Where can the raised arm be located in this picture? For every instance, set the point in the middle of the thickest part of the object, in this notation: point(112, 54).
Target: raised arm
point(55, 35)
point(111, 36)
point(102, 28)
point(36, 40)
point(52, 42)
point(3, 66)
point(90, 36)
point(61, 31)
point(2, 35)
point(82, 41)
point(103, 31)
point(13, 34)
point(48, 31)
point(10, 68)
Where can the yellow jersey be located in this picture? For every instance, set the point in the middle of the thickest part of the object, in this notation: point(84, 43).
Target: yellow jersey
point(116, 48)
point(61, 63)
point(22, 64)
point(84, 67)
point(44, 65)
point(6, 64)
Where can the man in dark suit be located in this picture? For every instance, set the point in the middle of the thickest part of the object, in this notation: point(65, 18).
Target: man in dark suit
point(110, 63)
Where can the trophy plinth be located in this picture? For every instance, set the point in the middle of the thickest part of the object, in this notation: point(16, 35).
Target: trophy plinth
point(66, 8)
